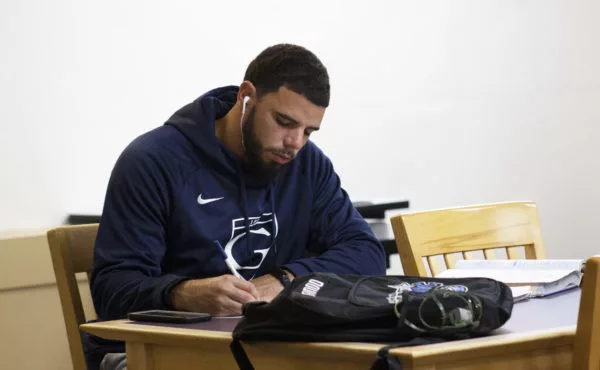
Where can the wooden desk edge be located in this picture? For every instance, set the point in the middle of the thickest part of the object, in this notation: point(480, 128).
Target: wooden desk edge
point(486, 346)
point(128, 331)
point(495, 345)
point(125, 330)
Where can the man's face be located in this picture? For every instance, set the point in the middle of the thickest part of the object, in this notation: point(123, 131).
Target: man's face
point(276, 128)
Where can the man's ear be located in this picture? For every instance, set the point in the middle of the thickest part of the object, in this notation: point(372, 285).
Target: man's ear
point(247, 89)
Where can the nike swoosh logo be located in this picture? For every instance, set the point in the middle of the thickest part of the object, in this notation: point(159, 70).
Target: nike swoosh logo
point(202, 201)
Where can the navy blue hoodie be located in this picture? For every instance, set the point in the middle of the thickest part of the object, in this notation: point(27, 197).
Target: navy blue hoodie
point(177, 189)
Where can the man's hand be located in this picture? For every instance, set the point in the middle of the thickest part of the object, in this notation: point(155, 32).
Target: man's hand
point(219, 296)
point(268, 286)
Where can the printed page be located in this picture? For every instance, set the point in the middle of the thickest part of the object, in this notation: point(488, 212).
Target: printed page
point(573, 280)
point(521, 293)
point(508, 276)
point(571, 265)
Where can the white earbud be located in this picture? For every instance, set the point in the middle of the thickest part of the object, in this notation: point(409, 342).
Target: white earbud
point(246, 98)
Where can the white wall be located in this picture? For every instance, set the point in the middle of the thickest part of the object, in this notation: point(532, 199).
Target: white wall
point(440, 102)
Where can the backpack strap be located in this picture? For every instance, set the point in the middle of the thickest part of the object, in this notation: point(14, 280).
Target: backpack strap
point(240, 355)
point(385, 361)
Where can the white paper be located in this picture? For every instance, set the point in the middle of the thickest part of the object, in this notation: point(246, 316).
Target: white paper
point(508, 276)
point(521, 292)
point(570, 265)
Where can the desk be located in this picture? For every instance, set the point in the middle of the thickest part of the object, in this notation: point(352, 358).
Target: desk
point(539, 335)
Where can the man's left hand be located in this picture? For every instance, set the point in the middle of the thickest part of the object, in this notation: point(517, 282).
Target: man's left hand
point(268, 286)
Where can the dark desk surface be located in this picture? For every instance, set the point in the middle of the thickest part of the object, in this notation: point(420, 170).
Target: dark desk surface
point(215, 324)
point(544, 313)
point(531, 315)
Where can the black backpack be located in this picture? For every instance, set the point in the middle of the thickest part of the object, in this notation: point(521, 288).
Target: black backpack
point(401, 310)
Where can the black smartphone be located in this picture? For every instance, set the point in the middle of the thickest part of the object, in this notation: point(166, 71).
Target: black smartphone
point(176, 317)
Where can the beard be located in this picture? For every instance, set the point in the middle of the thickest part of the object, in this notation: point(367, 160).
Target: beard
point(253, 150)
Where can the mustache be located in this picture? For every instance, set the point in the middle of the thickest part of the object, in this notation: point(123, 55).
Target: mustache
point(283, 152)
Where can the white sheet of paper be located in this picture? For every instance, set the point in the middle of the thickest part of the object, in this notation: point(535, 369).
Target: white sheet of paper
point(570, 265)
point(520, 292)
point(516, 276)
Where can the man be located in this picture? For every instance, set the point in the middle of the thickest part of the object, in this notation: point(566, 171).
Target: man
point(232, 176)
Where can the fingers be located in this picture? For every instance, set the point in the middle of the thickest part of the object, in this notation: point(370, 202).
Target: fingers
point(268, 287)
point(220, 296)
point(239, 291)
point(248, 287)
point(229, 307)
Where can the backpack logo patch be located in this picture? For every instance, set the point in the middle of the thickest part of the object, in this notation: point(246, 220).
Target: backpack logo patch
point(312, 287)
point(421, 287)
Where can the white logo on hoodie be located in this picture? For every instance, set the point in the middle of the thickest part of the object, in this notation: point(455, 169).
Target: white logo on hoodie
point(203, 201)
point(265, 225)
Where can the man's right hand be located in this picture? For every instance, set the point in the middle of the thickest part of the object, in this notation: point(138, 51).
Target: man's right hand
point(219, 296)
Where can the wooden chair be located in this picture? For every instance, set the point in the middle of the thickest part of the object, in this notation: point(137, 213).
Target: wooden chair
point(72, 251)
point(483, 228)
point(586, 349)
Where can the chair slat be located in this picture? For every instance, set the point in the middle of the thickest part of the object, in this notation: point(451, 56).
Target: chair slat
point(530, 252)
point(434, 266)
point(513, 253)
point(489, 254)
point(468, 255)
point(450, 259)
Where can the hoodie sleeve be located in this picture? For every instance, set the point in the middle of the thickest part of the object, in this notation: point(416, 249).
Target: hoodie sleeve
point(130, 244)
point(344, 239)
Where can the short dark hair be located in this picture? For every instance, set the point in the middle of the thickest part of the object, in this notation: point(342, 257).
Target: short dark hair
point(291, 66)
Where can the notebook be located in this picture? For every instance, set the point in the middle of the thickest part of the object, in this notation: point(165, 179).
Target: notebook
point(527, 278)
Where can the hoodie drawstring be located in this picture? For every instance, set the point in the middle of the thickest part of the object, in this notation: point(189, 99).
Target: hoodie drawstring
point(244, 207)
point(275, 225)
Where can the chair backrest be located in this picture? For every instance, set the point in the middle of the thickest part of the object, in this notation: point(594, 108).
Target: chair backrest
point(72, 251)
point(465, 230)
point(586, 350)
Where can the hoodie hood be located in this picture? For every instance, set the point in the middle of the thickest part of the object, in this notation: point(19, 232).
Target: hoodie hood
point(196, 121)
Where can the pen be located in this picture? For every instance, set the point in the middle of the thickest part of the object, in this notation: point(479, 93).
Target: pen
point(228, 261)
